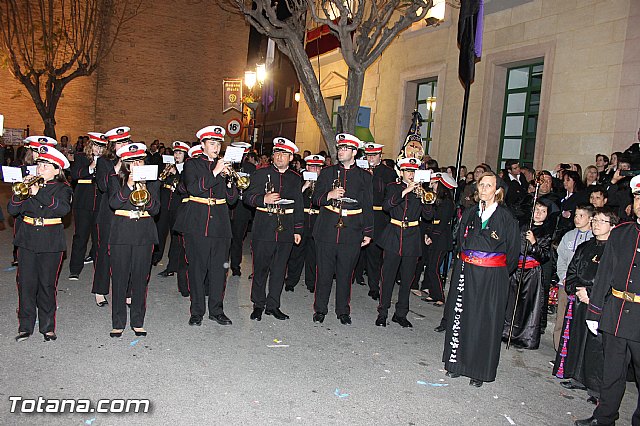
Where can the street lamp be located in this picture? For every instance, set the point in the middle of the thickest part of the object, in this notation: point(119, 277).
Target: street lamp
point(261, 73)
point(250, 79)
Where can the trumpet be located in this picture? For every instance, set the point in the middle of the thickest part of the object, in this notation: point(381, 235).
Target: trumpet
point(338, 203)
point(22, 190)
point(426, 197)
point(140, 196)
point(242, 182)
point(273, 208)
point(166, 172)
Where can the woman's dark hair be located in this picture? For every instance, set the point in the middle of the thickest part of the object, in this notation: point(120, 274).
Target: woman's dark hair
point(453, 170)
point(433, 165)
point(442, 193)
point(123, 174)
point(110, 151)
point(609, 213)
point(578, 184)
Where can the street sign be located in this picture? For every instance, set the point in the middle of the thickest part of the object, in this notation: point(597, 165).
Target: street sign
point(234, 127)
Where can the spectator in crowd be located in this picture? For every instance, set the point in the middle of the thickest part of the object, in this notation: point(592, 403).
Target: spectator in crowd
point(574, 194)
point(517, 199)
point(264, 161)
point(598, 196)
point(469, 189)
point(602, 162)
point(591, 176)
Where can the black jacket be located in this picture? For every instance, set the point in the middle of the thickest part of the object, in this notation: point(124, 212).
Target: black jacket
point(437, 225)
point(52, 201)
point(85, 195)
point(135, 232)
point(382, 177)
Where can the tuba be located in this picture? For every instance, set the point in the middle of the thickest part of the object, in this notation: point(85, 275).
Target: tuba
point(22, 190)
point(140, 196)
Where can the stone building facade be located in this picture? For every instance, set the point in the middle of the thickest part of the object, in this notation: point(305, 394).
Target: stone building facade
point(582, 56)
point(163, 78)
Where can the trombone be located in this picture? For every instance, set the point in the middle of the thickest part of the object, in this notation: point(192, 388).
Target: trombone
point(22, 190)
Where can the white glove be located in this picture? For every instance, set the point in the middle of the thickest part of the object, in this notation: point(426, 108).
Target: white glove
point(593, 326)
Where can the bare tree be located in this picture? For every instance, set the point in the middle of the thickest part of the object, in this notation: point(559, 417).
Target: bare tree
point(364, 28)
point(48, 43)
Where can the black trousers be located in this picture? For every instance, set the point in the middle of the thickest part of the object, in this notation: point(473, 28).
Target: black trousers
point(619, 353)
point(101, 266)
point(391, 263)
point(296, 261)
point(373, 254)
point(239, 227)
point(162, 226)
point(310, 264)
point(183, 284)
point(84, 221)
point(206, 259)
point(176, 248)
point(361, 266)
point(269, 260)
point(338, 259)
point(130, 268)
point(37, 279)
point(432, 279)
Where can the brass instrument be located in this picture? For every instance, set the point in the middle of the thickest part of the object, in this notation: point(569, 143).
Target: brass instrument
point(269, 188)
point(338, 203)
point(139, 197)
point(426, 197)
point(242, 182)
point(166, 172)
point(22, 190)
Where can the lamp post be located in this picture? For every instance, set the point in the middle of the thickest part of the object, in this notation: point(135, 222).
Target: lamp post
point(251, 78)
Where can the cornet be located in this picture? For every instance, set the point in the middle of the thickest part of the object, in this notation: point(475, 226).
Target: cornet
point(242, 182)
point(166, 172)
point(22, 190)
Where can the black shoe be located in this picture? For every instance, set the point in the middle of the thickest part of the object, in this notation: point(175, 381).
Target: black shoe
point(236, 272)
point(439, 329)
point(155, 262)
point(592, 400)
point(289, 288)
point(88, 260)
point(318, 317)
point(195, 320)
point(256, 314)
point(74, 277)
point(360, 281)
point(381, 321)
point(48, 337)
point(452, 375)
point(277, 314)
point(476, 383)
point(184, 294)
point(14, 263)
point(105, 302)
point(251, 276)
point(311, 290)
point(22, 336)
point(221, 319)
point(374, 294)
point(591, 421)
point(142, 332)
point(344, 319)
point(568, 384)
point(403, 321)
point(166, 273)
point(115, 333)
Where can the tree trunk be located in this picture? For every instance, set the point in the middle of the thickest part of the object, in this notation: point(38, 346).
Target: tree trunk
point(355, 85)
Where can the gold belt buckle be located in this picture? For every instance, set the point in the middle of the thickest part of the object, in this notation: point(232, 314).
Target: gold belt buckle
point(212, 201)
point(628, 296)
point(38, 221)
point(134, 214)
point(405, 224)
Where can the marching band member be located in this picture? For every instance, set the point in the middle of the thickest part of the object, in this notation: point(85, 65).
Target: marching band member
point(382, 176)
point(400, 241)
point(345, 224)
point(41, 242)
point(206, 227)
point(240, 213)
point(170, 200)
point(86, 200)
point(131, 239)
point(438, 240)
point(303, 256)
point(107, 168)
point(276, 227)
point(489, 244)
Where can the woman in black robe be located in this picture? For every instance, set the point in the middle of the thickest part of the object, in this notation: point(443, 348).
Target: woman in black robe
point(488, 239)
point(536, 246)
point(581, 355)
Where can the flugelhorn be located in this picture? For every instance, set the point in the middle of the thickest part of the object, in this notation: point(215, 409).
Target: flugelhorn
point(426, 197)
point(22, 190)
point(140, 196)
point(242, 182)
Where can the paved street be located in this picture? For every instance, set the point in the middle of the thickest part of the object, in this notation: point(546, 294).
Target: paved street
point(269, 372)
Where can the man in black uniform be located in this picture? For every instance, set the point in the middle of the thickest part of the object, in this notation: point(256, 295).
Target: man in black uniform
point(170, 200)
point(517, 198)
point(206, 226)
point(345, 224)
point(240, 213)
point(382, 176)
point(304, 254)
point(614, 310)
point(276, 193)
